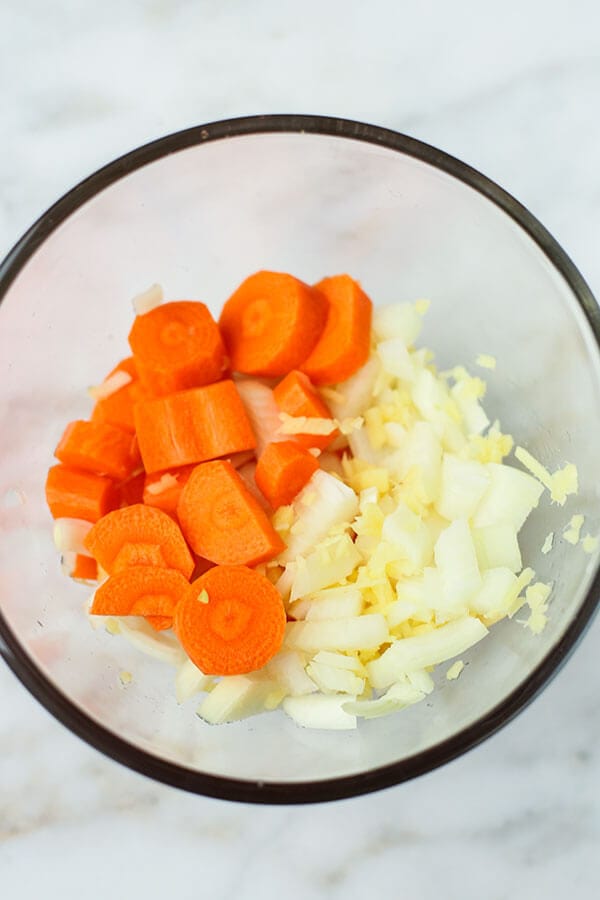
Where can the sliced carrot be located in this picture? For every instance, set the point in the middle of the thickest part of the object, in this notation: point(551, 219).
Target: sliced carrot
point(345, 342)
point(74, 494)
point(230, 621)
point(99, 448)
point(84, 568)
point(296, 396)
point(140, 591)
point(192, 426)
point(271, 323)
point(177, 346)
point(163, 489)
point(117, 408)
point(222, 521)
point(283, 470)
point(160, 623)
point(138, 524)
point(132, 490)
point(137, 554)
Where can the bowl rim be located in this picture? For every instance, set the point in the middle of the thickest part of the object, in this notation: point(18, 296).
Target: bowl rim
point(297, 792)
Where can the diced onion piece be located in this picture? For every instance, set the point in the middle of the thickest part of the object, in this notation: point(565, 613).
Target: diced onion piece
point(305, 425)
point(589, 543)
point(511, 496)
point(398, 696)
point(160, 645)
point(69, 535)
point(409, 536)
point(425, 650)
point(422, 451)
point(497, 546)
point(430, 395)
point(333, 603)
point(395, 359)
point(320, 711)
point(235, 697)
point(474, 416)
point(548, 542)
point(353, 633)
point(456, 561)
point(323, 503)
point(494, 597)
point(148, 300)
point(329, 564)
point(400, 611)
point(572, 532)
point(362, 448)
point(110, 385)
point(333, 680)
point(421, 680)
point(455, 670)
point(397, 320)
point(189, 680)
point(288, 670)
point(357, 391)
point(164, 483)
point(338, 661)
point(463, 484)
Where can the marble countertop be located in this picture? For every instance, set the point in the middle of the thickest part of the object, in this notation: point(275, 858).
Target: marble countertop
point(515, 94)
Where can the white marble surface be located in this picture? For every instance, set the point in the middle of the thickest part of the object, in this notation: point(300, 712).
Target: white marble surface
point(512, 89)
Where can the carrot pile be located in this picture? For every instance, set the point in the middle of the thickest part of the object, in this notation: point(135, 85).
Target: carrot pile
point(185, 458)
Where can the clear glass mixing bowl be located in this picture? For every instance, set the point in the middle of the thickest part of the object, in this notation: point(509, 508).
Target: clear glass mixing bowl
point(197, 211)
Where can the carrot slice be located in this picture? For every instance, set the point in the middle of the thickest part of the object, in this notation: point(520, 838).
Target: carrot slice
point(230, 621)
point(177, 346)
point(283, 470)
point(296, 396)
point(160, 623)
point(140, 591)
point(84, 568)
point(73, 494)
point(192, 426)
point(345, 342)
point(99, 448)
point(132, 490)
point(271, 323)
point(222, 521)
point(138, 524)
point(138, 555)
point(117, 408)
point(163, 489)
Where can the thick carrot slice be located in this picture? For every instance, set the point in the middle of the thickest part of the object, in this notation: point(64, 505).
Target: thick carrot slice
point(139, 555)
point(132, 490)
point(160, 623)
point(140, 591)
point(345, 342)
point(74, 494)
point(177, 346)
point(138, 524)
point(84, 568)
point(117, 408)
point(271, 323)
point(163, 489)
point(99, 448)
point(296, 396)
point(283, 470)
point(192, 426)
point(222, 521)
point(230, 621)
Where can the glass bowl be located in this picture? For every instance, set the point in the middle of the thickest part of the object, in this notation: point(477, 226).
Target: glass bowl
point(197, 211)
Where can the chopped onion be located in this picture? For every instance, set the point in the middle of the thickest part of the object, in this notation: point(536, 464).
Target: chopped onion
point(397, 320)
point(572, 532)
point(189, 680)
point(110, 385)
point(357, 391)
point(395, 359)
point(456, 561)
point(463, 484)
point(235, 697)
point(287, 669)
point(333, 680)
point(69, 535)
point(497, 546)
point(353, 633)
point(329, 564)
point(398, 696)
point(409, 536)
point(323, 503)
point(159, 645)
point(148, 300)
point(511, 496)
point(262, 411)
point(333, 603)
point(494, 597)
point(320, 711)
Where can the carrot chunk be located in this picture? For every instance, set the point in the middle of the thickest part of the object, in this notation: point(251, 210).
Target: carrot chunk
point(230, 621)
point(84, 568)
point(283, 470)
point(140, 525)
point(100, 448)
point(345, 342)
point(138, 554)
point(271, 323)
point(74, 494)
point(140, 591)
point(117, 408)
point(177, 346)
point(160, 623)
point(296, 396)
point(163, 489)
point(192, 426)
point(222, 521)
point(132, 490)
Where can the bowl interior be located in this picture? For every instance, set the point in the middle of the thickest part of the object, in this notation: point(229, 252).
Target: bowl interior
point(198, 221)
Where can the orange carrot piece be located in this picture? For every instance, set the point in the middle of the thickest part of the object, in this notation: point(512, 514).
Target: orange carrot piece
point(117, 408)
point(177, 346)
point(283, 470)
point(222, 521)
point(99, 448)
point(231, 621)
point(160, 623)
point(192, 426)
point(74, 494)
point(139, 555)
point(166, 497)
point(140, 591)
point(345, 342)
point(247, 473)
point(271, 323)
point(132, 490)
point(84, 568)
point(296, 396)
point(138, 524)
